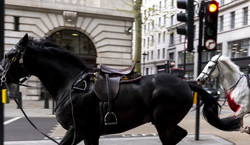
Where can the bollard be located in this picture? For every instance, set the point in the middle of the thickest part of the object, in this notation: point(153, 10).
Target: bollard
point(4, 96)
point(46, 100)
point(53, 106)
point(19, 100)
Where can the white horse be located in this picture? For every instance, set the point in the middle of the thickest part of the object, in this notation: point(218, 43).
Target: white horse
point(234, 83)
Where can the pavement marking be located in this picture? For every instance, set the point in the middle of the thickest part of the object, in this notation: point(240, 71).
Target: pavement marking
point(11, 120)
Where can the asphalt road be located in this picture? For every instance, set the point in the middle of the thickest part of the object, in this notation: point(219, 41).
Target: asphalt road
point(19, 129)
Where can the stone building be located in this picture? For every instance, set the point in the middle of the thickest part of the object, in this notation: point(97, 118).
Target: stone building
point(160, 42)
point(98, 31)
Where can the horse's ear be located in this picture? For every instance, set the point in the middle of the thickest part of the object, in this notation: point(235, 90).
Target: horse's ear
point(24, 41)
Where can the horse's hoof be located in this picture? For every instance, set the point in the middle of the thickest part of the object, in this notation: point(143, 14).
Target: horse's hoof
point(245, 130)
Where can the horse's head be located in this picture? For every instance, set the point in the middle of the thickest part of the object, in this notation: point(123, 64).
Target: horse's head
point(210, 71)
point(12, 65)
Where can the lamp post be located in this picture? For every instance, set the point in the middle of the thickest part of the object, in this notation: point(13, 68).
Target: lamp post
point(144, 59)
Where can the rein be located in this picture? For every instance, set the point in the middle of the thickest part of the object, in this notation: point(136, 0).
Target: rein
point(234, 86)
point(213, 68)
point(3, 79)
point(25, 115)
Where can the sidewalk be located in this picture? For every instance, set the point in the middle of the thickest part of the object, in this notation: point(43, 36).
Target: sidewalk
point(208, 134)
point(31, 108)
point(205, 139)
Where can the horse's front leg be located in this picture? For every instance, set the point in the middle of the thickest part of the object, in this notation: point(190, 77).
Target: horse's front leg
point(91, 141)
point(71, 137)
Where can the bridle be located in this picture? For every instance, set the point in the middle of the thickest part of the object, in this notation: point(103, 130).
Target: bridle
point(8, 62)
point(214, 67)
point(208, 74)
point(4, 70)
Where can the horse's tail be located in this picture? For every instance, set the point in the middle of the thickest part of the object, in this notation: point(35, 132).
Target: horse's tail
point(211, 111)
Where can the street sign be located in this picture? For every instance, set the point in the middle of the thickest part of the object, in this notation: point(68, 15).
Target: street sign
point(210, 44)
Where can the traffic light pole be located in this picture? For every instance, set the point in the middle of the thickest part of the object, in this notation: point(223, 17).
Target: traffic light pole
point(200, 49)
point(1, 56)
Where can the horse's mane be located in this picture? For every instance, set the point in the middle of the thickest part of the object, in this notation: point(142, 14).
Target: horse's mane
point(230, 64)
point(49, 47)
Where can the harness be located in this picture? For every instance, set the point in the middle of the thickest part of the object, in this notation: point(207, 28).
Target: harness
point(229, 90)
point(79, 84)
point(3, 81)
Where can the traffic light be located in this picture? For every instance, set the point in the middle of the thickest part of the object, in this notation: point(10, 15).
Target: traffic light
point(188, 18)
point(211, 19)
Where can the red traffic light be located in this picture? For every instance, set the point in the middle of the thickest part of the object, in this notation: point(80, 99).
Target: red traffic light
point(213, 6)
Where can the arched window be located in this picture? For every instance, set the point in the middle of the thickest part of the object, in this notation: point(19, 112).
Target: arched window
point(77, 43)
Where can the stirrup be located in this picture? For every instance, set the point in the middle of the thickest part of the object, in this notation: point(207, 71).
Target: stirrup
point(112, 117)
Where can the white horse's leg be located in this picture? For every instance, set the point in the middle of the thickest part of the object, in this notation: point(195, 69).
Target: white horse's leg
point(240, 113)
point(245, 129)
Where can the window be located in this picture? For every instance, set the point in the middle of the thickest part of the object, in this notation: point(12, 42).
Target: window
point(153, 9)
point(164, 37)
point(163, 53)
point(144, 43)
point(160, 5)
point(152, 40)
point(172, 20)
point(152, 55)
point(221, 2)
point(189, 57)
point(171, 41)
point(159, 21)
point(245, 16)
point(158, 53)
point(77, 43)
point(147, 72)
point(16, 23)
point(145, 28)
point(221, 23)
point(207, 55)
point(159, 38)
point(148, 42)
point(171, 56)
point(172, 3)
point(153, 24)
point(239, 48)
point(232, 20)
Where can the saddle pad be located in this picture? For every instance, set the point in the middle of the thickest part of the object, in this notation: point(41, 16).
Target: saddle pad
point(101, 91)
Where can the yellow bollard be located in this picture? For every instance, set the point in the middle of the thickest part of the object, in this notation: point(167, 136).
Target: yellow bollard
point(4, 95)
point(195, 98)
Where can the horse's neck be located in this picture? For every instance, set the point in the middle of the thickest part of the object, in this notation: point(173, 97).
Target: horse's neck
point(228, 77)
point(56, 77)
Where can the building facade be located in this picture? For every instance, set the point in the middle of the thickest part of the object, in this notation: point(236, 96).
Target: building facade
point(95, 30)
point(161, 43)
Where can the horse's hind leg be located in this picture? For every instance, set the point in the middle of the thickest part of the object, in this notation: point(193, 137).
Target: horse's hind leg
point(166, 118)
point(71, 137)
point(172, 135)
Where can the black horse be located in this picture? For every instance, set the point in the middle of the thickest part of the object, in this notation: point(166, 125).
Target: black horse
point(161, 99)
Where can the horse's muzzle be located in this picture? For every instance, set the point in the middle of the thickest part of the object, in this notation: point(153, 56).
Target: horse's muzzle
point(201, 81)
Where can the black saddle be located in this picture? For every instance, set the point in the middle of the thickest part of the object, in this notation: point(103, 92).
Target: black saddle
point(107, 86)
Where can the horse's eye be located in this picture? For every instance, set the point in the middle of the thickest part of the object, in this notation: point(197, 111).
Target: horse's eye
point(210, 67)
